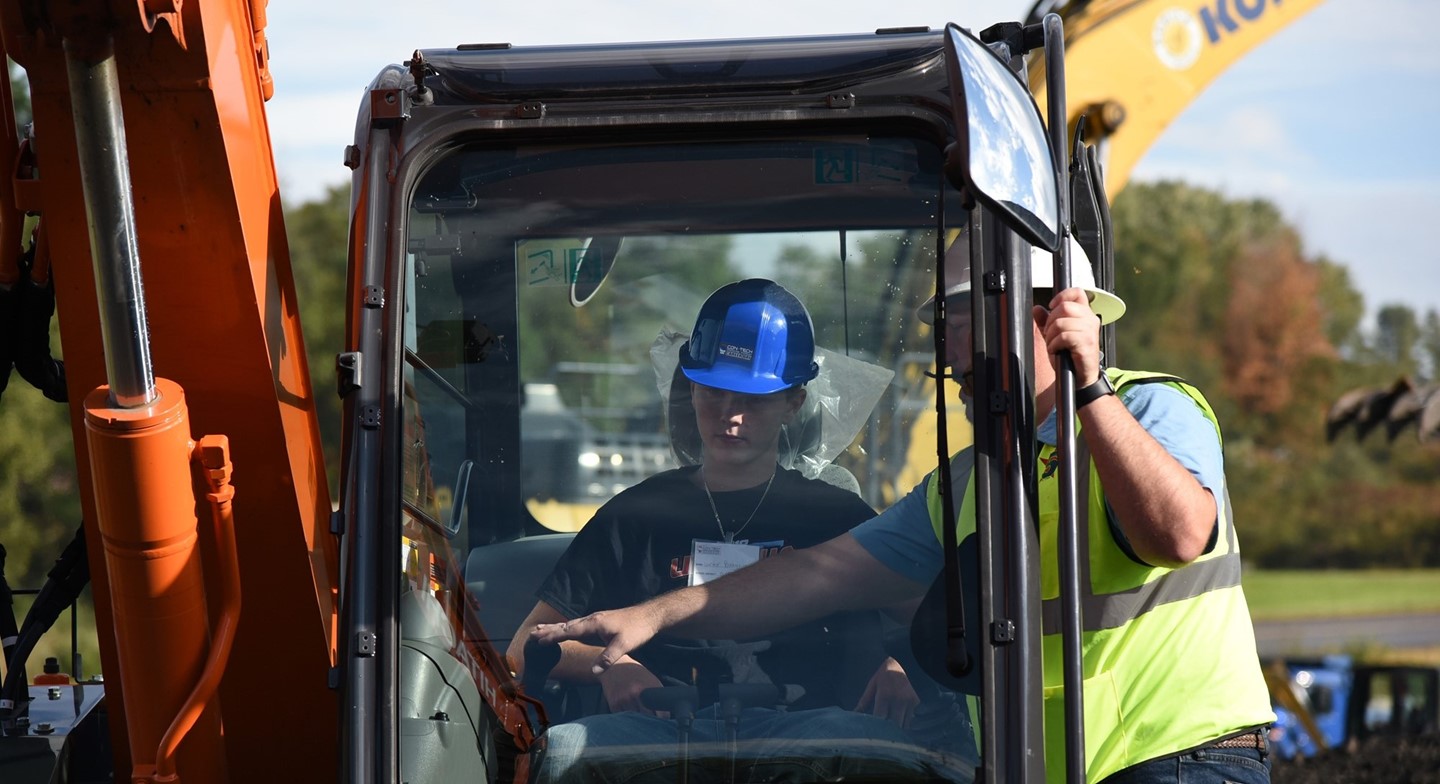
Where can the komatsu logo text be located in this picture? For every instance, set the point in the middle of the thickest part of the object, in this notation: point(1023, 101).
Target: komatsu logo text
point(1179, 35)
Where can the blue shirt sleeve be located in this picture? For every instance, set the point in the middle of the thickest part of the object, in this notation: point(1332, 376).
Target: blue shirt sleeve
point(1176, 421)
point(902, 538)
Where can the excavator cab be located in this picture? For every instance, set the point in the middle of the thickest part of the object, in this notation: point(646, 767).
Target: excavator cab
point(532, 228)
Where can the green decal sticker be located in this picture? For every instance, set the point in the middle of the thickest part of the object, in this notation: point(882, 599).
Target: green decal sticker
point(835, 166)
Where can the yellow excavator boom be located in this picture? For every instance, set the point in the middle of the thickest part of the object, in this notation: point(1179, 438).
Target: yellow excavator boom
point(1132, 66)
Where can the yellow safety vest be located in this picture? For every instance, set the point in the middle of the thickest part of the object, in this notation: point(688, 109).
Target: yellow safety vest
point(1169, 657)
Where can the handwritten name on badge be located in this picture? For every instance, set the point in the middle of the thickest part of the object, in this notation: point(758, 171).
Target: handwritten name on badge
point(712, 560)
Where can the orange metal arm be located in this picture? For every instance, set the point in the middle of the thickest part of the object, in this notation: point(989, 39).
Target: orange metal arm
point(224, 326)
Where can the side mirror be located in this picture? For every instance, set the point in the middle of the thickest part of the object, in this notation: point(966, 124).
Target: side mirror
point(1004, 153)
point(592, 268)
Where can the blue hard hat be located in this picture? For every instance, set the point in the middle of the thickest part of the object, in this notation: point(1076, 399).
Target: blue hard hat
point(753, 337)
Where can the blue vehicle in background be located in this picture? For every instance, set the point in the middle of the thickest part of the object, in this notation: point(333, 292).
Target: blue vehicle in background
point(1321, 691)
point(1330, 703)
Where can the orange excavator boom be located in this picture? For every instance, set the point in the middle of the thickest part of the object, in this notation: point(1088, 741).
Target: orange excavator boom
point(149, 130)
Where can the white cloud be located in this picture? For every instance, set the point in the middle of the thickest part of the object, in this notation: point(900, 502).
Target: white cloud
point(1375, 229)
point(1247, 130)
point(323, 53)
point(1308, 119)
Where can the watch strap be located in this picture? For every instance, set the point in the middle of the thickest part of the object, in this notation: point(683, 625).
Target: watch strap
point(1093, 392)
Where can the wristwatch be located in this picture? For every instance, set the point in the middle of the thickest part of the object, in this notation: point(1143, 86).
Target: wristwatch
point(1095, 391)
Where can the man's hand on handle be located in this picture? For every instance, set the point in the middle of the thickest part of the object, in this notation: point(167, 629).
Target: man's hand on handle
point(1068, 324)
point(889, 694)
point(623, 684)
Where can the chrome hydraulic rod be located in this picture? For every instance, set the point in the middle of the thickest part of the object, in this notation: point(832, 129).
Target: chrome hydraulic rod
point(110, 218)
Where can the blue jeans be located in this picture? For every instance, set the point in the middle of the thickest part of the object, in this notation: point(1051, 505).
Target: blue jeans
point(1202, 766)
point(815, 745)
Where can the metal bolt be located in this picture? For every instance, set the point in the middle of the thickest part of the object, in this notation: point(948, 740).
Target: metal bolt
point(44, 728)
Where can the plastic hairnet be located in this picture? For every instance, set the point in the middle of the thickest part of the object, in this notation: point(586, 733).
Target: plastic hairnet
point(837, 404)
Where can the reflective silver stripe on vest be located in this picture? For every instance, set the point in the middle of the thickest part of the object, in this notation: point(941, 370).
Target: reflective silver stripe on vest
point(1111, 611)
point(1099, 612)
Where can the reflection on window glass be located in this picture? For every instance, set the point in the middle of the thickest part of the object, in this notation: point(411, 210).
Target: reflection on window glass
point(594, 419)
point(547, 293)
point(532, 278)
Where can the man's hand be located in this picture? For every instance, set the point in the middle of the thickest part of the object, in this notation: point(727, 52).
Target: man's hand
point(622, 684)
point(1070, 325)
point(620, 631)
point(889, 694)
point(1166, 515)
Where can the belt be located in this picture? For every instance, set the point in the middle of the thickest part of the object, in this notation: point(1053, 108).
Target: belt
point(1250, 739)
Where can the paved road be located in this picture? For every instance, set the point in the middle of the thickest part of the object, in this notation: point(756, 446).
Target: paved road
point(1339, 635)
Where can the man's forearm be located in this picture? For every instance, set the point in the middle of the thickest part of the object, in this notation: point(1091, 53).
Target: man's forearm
point(782, 591)
point(576, 662)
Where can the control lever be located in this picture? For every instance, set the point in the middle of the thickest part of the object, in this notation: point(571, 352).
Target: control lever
point(540, 659)
point(941, 720)
point(736, 697)
point(680, 702)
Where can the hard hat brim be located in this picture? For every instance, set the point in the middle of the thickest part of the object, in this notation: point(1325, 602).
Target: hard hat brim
point(1104, 304)
point(735, 379)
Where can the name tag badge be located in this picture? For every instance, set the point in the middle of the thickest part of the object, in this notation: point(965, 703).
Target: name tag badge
point(709, 561)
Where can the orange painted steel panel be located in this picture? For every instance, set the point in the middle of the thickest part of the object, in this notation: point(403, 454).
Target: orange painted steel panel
point(224, 325)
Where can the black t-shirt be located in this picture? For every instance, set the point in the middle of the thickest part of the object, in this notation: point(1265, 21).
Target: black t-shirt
point(638, 546)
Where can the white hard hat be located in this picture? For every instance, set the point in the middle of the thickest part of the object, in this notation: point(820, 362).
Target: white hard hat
point(1042, 276)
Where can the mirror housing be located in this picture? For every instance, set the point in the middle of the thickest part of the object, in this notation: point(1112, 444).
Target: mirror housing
point(1002, 155)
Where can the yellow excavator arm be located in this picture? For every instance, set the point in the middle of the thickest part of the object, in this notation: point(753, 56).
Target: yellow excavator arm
point(1132, 66)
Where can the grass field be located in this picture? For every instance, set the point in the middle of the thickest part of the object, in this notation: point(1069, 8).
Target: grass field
point(1304, 594)
point(1273, 595)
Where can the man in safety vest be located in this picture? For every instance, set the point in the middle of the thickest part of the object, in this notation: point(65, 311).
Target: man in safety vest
point(1173, 688)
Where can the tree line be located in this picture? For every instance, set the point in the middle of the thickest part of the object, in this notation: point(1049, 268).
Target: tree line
point(1220, 292)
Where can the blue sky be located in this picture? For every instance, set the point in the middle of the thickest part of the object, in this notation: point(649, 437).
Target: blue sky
point(1333, 118)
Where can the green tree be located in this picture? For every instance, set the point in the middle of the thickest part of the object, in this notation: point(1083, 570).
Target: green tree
point(317, 232)
point(39, 499)
point(19, 94)
point(1397, 337)
point(1430, 345)
point(650, 278)
point(1220, 293)
point(1341, 305)
point(39, 503)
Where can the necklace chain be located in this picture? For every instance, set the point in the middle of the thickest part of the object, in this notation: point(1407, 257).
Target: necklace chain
point(730, 537)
